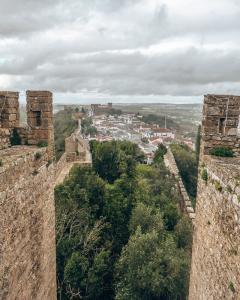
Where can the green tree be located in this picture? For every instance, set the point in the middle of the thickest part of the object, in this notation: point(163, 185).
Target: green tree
point(108, 161)
point(98, 275)
point(147, 217)
point(112, 159)
point(152, 267)
point(159, 153)
point(75, 274)
point(183, 232)
point(15, 138)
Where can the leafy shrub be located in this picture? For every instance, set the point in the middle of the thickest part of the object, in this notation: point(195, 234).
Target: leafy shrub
point(233, 252)
point(145, 140)
point(221, 151)
point(218, 186)
point(42, 144)
point(204, 175)
point(15, 138)
point(38, 155)
point(49, 162)
point(159, 153)
point(231, 287)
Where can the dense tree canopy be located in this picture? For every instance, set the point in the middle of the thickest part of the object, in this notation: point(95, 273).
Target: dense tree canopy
point(159, 153)
point(88, 128)
point(120, 234)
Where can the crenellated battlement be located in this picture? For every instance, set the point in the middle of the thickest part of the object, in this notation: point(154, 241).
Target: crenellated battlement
point(9, 109)
point(221, 123)
point(39, 119)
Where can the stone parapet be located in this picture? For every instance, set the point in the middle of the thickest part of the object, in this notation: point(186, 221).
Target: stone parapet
point(185, 204)
point(27, 222)
point(18, 162)
point(4, 138)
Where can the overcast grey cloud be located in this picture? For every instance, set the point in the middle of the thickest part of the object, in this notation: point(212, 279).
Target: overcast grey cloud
point(137, 49)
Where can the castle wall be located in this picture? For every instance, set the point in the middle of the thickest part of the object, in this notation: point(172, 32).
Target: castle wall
point(4, 138)
point(99, 109)
point(215, 271)
point(185, 204)
point(27, 222)
point(27, 213)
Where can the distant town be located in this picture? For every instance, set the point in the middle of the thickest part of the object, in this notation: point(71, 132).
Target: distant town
point(113, 124)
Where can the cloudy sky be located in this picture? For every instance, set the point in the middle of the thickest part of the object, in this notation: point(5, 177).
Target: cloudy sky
point(121, 50)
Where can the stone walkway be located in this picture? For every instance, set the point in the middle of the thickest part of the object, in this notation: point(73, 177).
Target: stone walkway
point(66, 170)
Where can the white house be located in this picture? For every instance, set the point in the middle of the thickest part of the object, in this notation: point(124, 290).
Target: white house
point(163, 133)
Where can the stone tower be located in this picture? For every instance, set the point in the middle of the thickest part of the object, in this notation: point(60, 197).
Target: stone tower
point(215, 269)
point(221, 123)
point(40, 119)
point(9, 109)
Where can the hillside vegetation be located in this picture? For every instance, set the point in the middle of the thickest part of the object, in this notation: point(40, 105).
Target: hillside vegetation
point(187, 162)
point(159, 120)
point(64, 126)
point(120, 234)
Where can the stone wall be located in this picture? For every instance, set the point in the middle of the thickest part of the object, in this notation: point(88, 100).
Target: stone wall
point(215, 271)
point(185, 203)
point(27, 222)
point(9, 116)
point(77, 148)
point(28, 175)
point(4, 138)
point(60, 164)
point(221, 123)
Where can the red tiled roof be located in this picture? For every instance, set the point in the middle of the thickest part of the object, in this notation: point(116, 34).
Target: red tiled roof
point(161, 130)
